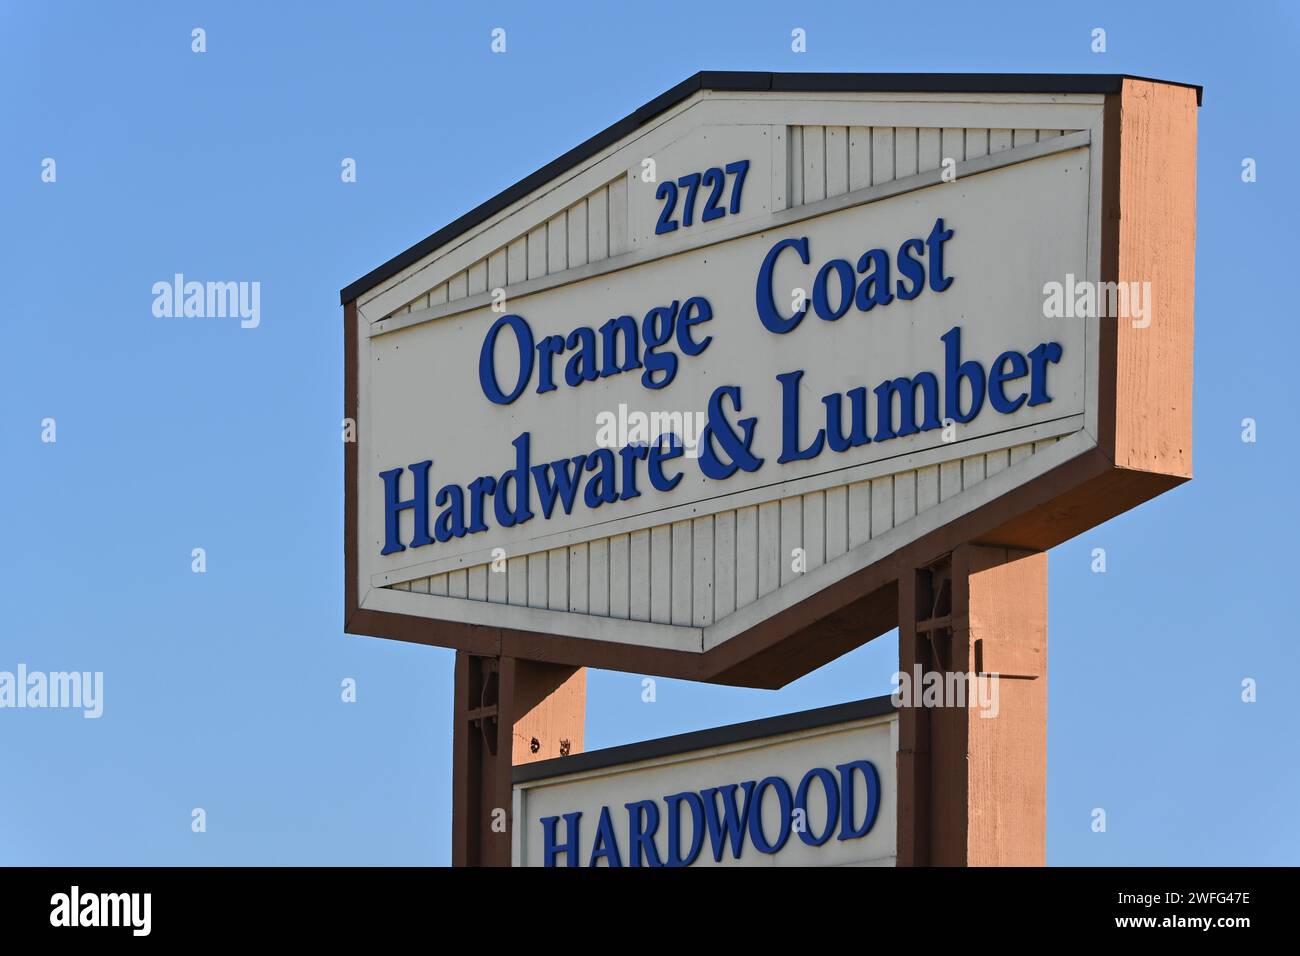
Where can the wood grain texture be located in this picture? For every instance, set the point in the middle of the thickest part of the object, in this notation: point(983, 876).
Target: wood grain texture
point(506, 711)
point(973, 788)
point(1149, 223)
point(550, 709)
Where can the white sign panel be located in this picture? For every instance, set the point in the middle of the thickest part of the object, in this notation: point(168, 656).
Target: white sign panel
point(747, 352)
point(824, 796)
point(548, 419)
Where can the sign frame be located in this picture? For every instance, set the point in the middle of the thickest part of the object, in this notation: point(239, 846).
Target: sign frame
point(872, 715)
point(1143, 412)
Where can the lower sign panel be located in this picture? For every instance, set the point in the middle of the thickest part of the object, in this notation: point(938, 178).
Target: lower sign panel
point(812, 789)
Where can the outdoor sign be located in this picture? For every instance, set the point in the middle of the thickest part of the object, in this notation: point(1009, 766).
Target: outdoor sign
point(702, 384)
point(811, 789)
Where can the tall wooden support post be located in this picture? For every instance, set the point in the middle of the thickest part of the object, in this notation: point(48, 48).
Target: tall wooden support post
point(972, 779)
point(507, 711)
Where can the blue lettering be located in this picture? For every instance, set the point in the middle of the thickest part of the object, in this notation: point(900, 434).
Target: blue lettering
point(768, 313)
point(732, 818)
point(487, 372)
point(790, 450)
point(605, 847)
point(728, 815)
point(785, 803)
point(551, 849)
point(999, 375)
point(849, 829)
point(832, 804)
point(955, 370)
point(643, 821)
point(674, 803)
point(393, 507)
point(1038, 359)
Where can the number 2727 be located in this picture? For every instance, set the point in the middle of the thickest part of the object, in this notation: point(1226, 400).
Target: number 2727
point(712, 181)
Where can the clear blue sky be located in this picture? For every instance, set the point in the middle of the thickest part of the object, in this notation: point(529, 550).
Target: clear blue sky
point(222, 689)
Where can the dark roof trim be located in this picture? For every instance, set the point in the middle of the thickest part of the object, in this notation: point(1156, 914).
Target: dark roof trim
point(750, 82)
point(703, 739)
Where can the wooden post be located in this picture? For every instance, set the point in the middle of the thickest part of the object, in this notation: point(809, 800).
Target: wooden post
point(972, 788)
point(543, 707)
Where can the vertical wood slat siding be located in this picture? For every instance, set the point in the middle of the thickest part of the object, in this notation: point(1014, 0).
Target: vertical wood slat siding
point(517, 261)
point(794, 164)
point(949, 479)
point(837, 160)
point(837, 522)
point(882, 155)
point(619, 577)
point(698, 571)
point(792, 539)
point(859, 514)
point(682, 597)
point(822, 162)
point(538, 568)
point(552, 573)
point(616, 198)
point(497, 269)
point(458, 583)
point(927, 488)
point(517, 581)
point(724, 564)
point(598, 226)
point(746, 556)
point(593, 228)
point(639, 575)
point(478, 583)
point(929, 151)
point(557, 244)
point(498, 578)
point(859, 157)
point(952, 144)
point(661, 582)
point(769, 547)
point(701, 571)
point(598, 567)
point(578, 595)
point(905, 151)
point(814, 530)
point(537, 252)
point(477, 276)
point(814, 163)
point(904, 497)
point(576, 225)
point(882, 505)
point(828, 161)
point(458, 286)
